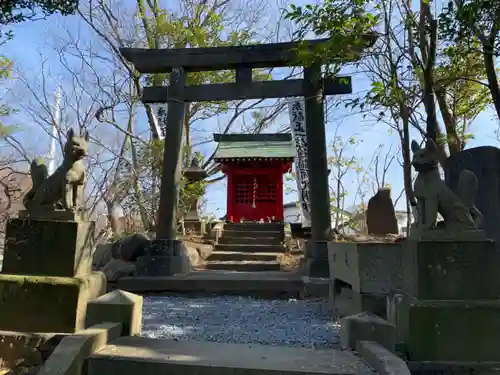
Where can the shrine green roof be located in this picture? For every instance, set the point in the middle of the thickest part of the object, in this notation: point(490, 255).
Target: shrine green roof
point(254, 146)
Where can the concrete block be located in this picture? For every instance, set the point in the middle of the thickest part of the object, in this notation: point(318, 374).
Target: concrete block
point(464, 331)
point(373, 267)
point(48, 248)
point(69, 356)
point(451, 270)
point(380, 359)
point(367, 327)
point(117, 307)
point(47, 304)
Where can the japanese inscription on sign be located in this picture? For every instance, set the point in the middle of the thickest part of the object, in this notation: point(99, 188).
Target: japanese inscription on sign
point(296, 111)
point(160, 116)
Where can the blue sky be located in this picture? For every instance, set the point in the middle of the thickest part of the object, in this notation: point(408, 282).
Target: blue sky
point(33, 44)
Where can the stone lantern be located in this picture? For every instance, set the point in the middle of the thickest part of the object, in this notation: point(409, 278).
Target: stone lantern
point(193, 174)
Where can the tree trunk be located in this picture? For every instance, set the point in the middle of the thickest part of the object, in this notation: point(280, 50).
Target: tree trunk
point(453, 140)
point(489, 64)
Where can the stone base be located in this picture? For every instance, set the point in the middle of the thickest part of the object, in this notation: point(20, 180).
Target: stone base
point(54, 215)
point(345, 301)
point(451, 270)
point(48, 248)
point(315, 268)
point(367, 327)
point(47, 304)
point(447, 331)
point(316, 259)
point(163, 258)
point(194, 226)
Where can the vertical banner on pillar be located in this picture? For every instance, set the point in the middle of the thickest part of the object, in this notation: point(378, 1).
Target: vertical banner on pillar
point(160, 118)
point(297, 113)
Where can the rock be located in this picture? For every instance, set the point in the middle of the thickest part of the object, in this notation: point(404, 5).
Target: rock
point(130, 248)
point(102, 256)
point(380, 214)
point(194, 256)
point(118, 268)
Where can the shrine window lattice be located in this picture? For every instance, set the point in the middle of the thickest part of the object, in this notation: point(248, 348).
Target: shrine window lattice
point(266, 191)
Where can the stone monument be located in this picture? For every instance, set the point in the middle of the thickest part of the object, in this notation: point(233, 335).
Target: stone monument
point(380, 214)
point(193, 175)
point(46, 279)
point(484, 162)
point(449, 307)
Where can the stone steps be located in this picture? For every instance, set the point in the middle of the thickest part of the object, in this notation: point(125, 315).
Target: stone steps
point(138, 355)
point(243, 266)
point(254, 248)
point(242, 256)
point(256, 234)
point(271, 284)
point(257, 227)
point(248, 247)
point(249, 240)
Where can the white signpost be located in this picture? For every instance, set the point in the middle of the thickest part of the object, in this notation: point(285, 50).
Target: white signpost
point(297, 113)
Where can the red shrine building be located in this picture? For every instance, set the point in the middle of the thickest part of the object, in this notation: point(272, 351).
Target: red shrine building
point(254, 165)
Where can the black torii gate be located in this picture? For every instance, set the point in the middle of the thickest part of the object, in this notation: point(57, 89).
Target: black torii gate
point(313, 87)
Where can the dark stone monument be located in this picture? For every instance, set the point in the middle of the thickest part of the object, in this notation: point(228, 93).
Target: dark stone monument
point(484, 162)
point(380, 214)
point(163, 258)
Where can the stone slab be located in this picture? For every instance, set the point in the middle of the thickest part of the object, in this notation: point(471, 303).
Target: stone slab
point(134, 355)
point(367, 327)
point(70, 355)
point(451, 270)
point(453, 331)
point(381, 360)
point(268, 284)
point(45, 303)
point(48, 248)
point(373, 267)
point(117, 306)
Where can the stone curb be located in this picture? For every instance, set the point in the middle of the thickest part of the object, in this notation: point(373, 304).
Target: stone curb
point(69, 356)
point(380, 359)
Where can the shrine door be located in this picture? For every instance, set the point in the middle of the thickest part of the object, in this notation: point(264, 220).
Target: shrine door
point(257, 197)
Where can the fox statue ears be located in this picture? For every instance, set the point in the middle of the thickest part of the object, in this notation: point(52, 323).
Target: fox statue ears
point(430, 145)
point(71, 134)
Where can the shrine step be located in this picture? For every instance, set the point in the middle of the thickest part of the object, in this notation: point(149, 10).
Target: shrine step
point(254, 248)
point(250, 234)
point(243, 266)
point(248, 239)
point(139, 355)
point(261, 227)
point(238, 256)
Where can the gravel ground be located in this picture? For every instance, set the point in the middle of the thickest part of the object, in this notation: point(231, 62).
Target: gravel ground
point(298, 323)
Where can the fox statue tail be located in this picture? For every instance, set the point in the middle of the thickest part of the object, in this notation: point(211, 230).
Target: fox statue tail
point(467, 191)
point(39, 173)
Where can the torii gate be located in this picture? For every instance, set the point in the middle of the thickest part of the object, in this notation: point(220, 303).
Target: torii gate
point(243, 59)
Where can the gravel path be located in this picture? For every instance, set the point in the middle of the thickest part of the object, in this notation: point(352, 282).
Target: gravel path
point(298, 323)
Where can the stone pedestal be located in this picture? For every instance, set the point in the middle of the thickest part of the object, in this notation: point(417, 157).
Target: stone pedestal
point(449, 310)
point(195, 226)
point(371, 270)
point(46, 280)
point(163, 258)
point(49, 248)
point(316, 259)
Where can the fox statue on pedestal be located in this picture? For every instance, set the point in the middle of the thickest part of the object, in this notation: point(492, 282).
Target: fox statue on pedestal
point(63, 189)
point(434, 196)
